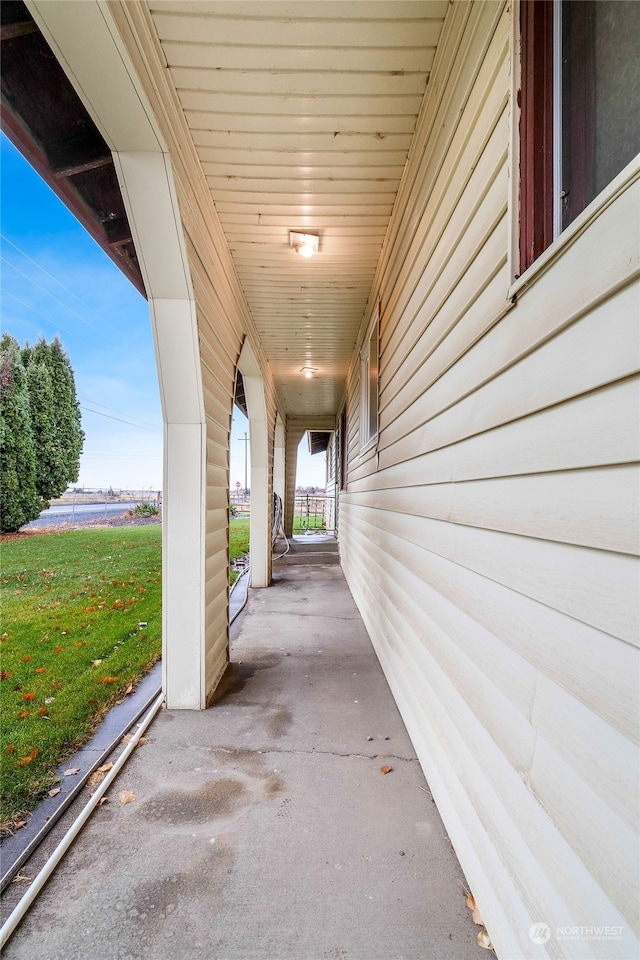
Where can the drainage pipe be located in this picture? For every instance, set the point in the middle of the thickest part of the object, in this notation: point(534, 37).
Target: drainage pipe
point(20, 910)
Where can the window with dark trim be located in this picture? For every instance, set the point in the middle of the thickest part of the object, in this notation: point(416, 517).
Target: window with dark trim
point(579, 109)
point(342, 449)
point(369, 384)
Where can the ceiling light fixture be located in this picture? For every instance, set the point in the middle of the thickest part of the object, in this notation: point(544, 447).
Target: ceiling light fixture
point(308, 371)
point(306, 244)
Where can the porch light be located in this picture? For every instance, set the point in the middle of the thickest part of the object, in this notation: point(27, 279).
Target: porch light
point(308, 371)
point(306, 244)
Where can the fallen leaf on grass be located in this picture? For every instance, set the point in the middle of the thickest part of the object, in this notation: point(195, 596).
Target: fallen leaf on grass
point(9, 750)
point(41, 669)
point(125, 796)
point(5, 674)
point(56, 686)
point(386, 769)
point(118, 605)
point(96, 663)
point(80, 643)
point(28, 696)
point(5, 636)
point(23, 714)
point(54, 792)
point(106, 680)
point(71, 772)
point(42, 711)
point(475, 913)
point(90, 609)
point(57, 649)
point(26, 659)
point(30, 756)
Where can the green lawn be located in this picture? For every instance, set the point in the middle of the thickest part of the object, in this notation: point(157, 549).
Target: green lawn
point(238, 542)
point(81, 621)
point(313, 522)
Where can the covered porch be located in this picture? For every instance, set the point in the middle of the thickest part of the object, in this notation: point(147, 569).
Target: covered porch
point(479, 390)
point(265, 827)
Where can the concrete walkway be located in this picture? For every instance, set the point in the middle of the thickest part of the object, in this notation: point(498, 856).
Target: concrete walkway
point(264, 828)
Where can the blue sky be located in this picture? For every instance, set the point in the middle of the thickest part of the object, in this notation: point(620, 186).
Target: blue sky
point(56, 280)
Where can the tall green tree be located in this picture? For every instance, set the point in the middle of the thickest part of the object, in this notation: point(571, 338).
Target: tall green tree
point(40, 431)
point(55, 414)
point(19, 500)
point(47, 442)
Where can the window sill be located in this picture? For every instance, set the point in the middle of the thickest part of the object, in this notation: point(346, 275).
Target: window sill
point(370, 447)
point(589, 215)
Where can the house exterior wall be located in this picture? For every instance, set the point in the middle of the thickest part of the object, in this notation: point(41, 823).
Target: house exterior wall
point(489, 536)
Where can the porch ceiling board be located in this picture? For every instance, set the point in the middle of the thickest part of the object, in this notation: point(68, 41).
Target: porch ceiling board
point(302, 115)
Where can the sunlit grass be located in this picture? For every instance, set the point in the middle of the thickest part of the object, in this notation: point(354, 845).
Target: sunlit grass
point(81, 621)
point(238, 543)
point(303, 523)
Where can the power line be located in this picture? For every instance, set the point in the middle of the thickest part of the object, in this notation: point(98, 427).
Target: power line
point(119, 419)
point(145, 423)
point(55, 279)
point(49, 294)
point(53, 323)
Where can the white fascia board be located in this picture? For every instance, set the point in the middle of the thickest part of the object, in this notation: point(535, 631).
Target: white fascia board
point(148, 191)
point(87, 45)
point(176, 339)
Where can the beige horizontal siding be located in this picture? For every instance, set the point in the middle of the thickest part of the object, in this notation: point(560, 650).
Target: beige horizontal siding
point(490, 536)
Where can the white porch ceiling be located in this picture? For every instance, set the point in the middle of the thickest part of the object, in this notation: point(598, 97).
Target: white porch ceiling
point(302, 115)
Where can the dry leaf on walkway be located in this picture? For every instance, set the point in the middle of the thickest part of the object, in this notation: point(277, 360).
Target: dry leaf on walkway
point(21, 878)
point(101, 801)
point(386, 769)
point(105, 768)
point(125, 796)
point(484, 941)
point(71, 772)
point(475, 913)
point(54, 792)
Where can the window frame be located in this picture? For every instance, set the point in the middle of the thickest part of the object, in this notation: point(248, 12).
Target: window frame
point(368, 397)
point(522, 275)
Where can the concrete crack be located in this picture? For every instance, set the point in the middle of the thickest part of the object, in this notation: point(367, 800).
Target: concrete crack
point(321, 753)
